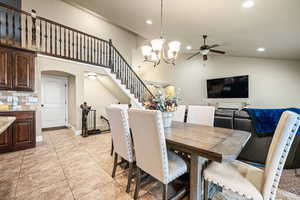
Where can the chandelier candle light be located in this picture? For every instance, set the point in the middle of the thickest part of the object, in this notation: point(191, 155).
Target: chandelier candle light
point(156, 51)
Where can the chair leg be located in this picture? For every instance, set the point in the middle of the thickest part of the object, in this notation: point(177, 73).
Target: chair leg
point(115, 165)
point(112, 148)
point(165, 192)
point(138, 184)
point(206, 183)
point(130, 171)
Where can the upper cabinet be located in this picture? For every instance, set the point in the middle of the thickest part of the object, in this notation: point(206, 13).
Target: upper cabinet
point(16, 70)
point(5, 69)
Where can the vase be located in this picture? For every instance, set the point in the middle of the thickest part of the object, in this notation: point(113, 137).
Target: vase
point(167, 119)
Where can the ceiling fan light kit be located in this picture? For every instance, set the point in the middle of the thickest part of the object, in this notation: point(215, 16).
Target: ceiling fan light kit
point(158, 50)
point(206, 49)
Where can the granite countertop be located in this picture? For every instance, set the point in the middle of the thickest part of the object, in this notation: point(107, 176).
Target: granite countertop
point(19, 109)
point(5, 122)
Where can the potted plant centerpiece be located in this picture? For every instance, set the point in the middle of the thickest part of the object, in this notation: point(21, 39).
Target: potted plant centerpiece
point(166, 103)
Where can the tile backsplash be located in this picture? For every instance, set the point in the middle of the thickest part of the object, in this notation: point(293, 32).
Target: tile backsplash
point(22, 98)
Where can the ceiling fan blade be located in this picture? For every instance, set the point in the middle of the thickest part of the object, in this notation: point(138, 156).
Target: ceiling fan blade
point(213, 46)
point(217, 51)
point(205, 57)
point(193, 55)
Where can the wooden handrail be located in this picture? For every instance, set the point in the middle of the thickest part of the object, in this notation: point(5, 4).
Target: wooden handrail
point(15, 9)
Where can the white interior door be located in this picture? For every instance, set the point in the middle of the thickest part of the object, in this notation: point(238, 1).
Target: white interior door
point(54, 101)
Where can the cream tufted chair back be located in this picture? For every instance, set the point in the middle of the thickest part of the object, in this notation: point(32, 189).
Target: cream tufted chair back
point(179, 114)
point(278, 152)
point(118, 120)
point(203, 115)
point(149, 142)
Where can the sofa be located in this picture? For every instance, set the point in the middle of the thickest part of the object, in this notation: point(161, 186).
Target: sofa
point(257, 148)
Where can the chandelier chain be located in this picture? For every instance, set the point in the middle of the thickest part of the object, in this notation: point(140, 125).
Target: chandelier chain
point(161, 19)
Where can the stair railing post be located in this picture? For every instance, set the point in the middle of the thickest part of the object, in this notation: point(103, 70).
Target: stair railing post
point(110, 61)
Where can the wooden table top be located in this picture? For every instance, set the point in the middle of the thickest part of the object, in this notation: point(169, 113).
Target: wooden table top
point(213, 143)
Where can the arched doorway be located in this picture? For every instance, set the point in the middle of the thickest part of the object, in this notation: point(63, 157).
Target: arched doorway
point(57, 95)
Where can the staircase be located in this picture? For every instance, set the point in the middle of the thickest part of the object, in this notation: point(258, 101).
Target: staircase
point(23, 30)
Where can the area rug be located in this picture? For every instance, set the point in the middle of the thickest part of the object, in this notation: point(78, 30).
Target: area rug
point(228, 195)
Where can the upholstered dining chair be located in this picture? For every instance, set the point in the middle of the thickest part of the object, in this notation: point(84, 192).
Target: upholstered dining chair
point(203, 115)
point(151, 151)
point(252, 182)
point(121, 135)
point(122, 106)
point(179, 114)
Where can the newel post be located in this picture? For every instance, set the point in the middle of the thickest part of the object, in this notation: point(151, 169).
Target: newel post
point(33, 28)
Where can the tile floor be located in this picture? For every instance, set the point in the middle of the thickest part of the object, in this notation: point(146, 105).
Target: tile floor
point(68, 167)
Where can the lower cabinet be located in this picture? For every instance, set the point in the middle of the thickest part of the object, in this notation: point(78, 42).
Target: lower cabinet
point(21, 134)
point(6, 140)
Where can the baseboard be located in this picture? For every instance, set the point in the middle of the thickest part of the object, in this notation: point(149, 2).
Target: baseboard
point(77, 132)
point(54, 128)
point(39, 138)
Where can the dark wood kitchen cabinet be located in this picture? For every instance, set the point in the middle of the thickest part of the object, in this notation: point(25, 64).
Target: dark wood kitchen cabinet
point(21, 134)
point(6, 140)
point(17, 70)
point(5, 69)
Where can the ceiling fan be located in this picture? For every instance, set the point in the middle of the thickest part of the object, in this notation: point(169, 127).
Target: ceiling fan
point(206, 49)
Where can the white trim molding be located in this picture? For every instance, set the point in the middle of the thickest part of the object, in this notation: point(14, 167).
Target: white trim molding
point(77, 132)
point(39, 138)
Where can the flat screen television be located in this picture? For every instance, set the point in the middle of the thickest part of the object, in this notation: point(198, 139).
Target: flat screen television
point(231, 87)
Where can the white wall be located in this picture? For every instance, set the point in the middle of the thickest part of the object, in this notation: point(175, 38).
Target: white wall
point(273, 83)
point(98, 97)
point(66, 14)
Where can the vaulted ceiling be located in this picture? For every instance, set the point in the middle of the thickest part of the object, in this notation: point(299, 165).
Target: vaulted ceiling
point(273, 24)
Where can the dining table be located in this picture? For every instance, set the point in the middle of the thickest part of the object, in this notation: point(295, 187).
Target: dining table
point(204, 144)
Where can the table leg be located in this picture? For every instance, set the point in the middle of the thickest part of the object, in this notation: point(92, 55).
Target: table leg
point(196, 177)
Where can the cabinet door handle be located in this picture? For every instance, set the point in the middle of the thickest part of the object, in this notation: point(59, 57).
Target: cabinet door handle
point(42, 105)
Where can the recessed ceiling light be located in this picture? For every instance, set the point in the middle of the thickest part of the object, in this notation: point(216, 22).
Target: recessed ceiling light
point(149, 22)
point(188, 47)
point(260, 49)
point(247, 3)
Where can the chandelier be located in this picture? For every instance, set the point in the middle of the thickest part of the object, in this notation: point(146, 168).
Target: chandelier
point(158, 49)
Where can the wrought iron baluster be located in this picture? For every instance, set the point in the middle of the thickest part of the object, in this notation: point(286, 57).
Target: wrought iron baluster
point(84, 53)
point(41, 35)
point(87, 48)
point(46, 36)
point(13, 27)
point(73, 43)
point(65, 43)
point(51, 38)
point(98, 53)
point(69, 43)
point(80, 55)
point(60, 40)
point(101, 53)
point(55, 39)
point(26, 30)
point(33, 28)
point(95, 58)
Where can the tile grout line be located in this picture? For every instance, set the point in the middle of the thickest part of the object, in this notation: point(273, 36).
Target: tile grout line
point(18, 179)
point(60, 164)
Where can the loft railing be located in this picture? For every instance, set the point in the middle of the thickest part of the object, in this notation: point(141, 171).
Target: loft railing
point(28, 31)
